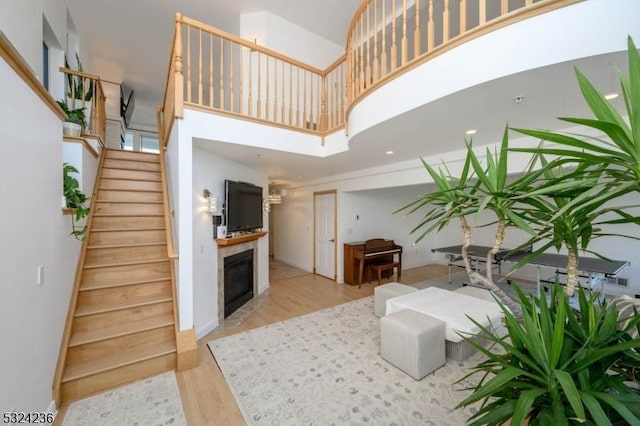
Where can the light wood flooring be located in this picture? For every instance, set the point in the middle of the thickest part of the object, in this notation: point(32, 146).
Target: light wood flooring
point(206, 398)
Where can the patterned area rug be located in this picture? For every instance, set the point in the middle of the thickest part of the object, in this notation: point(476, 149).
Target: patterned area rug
point(154, 401)
point(326, 368)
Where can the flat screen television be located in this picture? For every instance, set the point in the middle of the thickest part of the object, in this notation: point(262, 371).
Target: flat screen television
point(243, 206)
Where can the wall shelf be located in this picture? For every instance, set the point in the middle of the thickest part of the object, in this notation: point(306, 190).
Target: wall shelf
point(224, 242)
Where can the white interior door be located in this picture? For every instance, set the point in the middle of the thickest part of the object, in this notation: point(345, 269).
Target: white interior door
point(325, 224)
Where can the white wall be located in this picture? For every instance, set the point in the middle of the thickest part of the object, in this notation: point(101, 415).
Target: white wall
point(361, 215)
point(289, 39)
point(209, 172)
point(33, 232)
point(21, 21)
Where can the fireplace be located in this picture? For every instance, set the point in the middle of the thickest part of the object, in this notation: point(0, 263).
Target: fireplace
point(238, 281)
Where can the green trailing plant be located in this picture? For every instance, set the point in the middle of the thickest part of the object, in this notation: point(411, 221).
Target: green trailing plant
point(559, 366)
point(76, 115)
point(75, 200)
point(79, 87)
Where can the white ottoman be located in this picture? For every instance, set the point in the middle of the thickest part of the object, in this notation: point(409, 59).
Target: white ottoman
point(474, 291)
point(413, 342)
point(383, 292)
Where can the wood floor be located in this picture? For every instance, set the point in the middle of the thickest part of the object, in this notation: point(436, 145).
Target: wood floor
point(206, 397)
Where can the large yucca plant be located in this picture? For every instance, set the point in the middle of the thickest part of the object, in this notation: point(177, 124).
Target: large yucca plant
point(559, 366)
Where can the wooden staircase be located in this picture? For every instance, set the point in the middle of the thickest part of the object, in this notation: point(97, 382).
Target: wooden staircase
point(121, 324)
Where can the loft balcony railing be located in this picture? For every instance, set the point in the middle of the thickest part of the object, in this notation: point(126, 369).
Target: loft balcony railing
point(215, 71)
point(389, 37)
point(84, 90)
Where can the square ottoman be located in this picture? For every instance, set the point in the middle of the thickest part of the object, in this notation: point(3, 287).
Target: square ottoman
point(387, 291)
point(413, 342)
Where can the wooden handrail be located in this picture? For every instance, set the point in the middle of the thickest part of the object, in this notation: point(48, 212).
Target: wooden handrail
point(21, 68)
point(249, 44)
point(259, 84)
point(97, 120)
point(335, 64)
point(448, 35)
point(79, 73)
point(167, 215)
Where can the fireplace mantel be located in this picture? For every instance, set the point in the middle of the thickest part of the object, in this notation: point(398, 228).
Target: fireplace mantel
point(224, 242)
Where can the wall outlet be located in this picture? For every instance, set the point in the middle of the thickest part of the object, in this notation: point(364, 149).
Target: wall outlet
point(40, 277)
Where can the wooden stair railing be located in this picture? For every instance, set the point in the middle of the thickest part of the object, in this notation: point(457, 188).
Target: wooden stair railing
point(122, 321)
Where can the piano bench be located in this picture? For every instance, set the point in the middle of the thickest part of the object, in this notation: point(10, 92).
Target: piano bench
point(378, 268)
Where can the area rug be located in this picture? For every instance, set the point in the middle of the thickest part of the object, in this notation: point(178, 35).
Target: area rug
point(325, 368)
point(154, 401)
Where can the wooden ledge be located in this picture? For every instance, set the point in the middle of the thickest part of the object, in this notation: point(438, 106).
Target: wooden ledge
point(224, 242)
point(83, 140)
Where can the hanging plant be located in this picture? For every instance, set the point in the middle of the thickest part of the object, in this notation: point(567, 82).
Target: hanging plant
point(75, 200)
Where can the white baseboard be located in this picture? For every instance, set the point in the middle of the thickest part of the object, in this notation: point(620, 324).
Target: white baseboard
point(206, 329)
point(52, 408)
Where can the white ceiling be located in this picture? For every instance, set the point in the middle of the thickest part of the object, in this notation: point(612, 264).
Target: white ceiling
point(130, 40)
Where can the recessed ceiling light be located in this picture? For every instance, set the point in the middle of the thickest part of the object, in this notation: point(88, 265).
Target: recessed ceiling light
point(611, 96)
point(389, 152)
point(470, 132)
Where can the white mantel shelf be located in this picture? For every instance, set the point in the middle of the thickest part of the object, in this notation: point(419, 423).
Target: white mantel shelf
point(224, 242)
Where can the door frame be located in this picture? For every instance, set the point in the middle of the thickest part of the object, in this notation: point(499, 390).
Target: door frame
point(335, 230)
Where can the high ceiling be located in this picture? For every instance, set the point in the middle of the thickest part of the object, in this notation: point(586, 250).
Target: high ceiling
point(129, 41)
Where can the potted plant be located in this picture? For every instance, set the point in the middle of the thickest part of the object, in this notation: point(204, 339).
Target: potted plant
point(559, 366)
point(556, 366)
point(75, 200)
point(75, 121)
point(80, 91)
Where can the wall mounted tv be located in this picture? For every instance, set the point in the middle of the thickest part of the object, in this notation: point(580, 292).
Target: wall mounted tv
point(243, 206)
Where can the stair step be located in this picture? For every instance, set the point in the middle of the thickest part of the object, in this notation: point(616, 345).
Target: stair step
point(96, 383)
point(132, 156)
point(121, 208)
point(102, 238)
point(113, 163)
point(115, 284)
point(131, 316)
point(119, 359)
point(132, 263)
point(117, 255)
point(107, 195)
point(85, 353)
point(117, 330)
point(130, 185)
point(121, 294)
point(127, 222)
point(123, 246)
point(132, 302)
point(124, 174)
point(123, 274)
point(128, 201)
point(127, 215)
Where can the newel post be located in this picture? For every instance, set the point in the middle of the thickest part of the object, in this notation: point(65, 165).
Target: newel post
point(179, 78)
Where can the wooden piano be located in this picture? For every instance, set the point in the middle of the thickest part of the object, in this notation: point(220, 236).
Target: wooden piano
point(358, 254)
